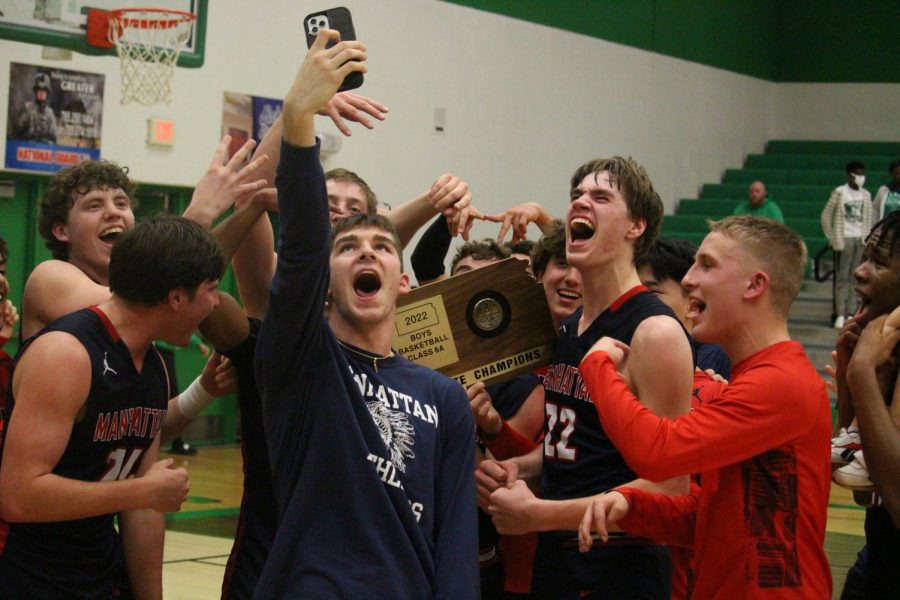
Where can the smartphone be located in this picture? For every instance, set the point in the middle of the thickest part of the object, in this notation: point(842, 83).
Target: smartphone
point(334, 18)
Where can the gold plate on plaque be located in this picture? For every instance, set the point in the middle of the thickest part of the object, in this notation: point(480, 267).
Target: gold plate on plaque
point(423, 333)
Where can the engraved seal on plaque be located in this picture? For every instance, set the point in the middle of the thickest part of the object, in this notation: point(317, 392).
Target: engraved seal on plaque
point(488, 314)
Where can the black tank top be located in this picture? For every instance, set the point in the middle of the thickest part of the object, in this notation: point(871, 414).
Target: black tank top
point(579, 459)
point(122, 415)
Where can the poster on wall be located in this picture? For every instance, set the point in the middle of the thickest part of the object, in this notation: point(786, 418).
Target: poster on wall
point(54, 117)
point(245, 117)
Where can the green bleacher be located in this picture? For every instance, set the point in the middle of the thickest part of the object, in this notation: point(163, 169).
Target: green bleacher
point(799, 176)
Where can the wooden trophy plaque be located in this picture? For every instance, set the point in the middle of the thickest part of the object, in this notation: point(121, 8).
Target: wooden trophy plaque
point(487, 325)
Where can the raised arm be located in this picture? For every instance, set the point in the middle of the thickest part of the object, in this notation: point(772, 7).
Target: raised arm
point(448, 195)
point(340, 108)
point(293, 320)
point(255, 259)
point(226, 181)
point(428, 257)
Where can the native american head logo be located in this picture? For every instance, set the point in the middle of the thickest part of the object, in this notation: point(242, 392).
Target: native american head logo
point(396, 432)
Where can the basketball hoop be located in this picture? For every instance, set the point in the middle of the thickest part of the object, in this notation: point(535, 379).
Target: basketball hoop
point(148, 42)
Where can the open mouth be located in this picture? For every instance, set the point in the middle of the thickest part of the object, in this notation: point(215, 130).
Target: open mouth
point(111, 234)
point(580, 229)
point(569, 295)
point(863, 302)
point(695, 307)
point(366, 284)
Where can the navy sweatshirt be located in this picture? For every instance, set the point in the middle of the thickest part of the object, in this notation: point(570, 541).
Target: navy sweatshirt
point(372, 467)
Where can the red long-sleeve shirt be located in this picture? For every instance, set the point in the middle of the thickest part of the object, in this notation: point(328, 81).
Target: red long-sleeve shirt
point(516, 551)
point(705, 389)
point(762, 449)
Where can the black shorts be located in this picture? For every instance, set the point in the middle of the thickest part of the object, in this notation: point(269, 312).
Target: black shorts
point(621, 570)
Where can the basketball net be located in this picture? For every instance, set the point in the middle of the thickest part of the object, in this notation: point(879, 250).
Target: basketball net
point(148, 42)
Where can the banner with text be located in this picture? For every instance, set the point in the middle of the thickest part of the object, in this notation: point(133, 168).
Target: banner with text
point(54, 119)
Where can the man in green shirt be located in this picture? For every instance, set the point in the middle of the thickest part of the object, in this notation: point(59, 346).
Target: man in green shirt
point(759, 204)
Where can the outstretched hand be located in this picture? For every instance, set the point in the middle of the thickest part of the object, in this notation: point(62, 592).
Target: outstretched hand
point(517, 219)
point(321, 74)
point(225, 182)
point(353, 107)
point(450, 196)
point(461, 223)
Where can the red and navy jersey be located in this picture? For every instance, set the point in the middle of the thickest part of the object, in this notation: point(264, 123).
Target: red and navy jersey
point(122, 414)
point(509, 396)
point(579, 459)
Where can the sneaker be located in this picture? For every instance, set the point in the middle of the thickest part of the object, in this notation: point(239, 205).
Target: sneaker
point(179, 446)
point(844, 446)
point(839, 322)
point(864, 498)
point(854, 476)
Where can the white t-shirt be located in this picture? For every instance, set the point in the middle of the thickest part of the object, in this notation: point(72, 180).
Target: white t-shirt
point(853, 212)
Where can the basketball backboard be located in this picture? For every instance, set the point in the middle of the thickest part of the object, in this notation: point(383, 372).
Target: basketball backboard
point(63, 23)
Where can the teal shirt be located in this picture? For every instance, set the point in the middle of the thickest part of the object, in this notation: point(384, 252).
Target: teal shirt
point(767, 209)
point(891, 203)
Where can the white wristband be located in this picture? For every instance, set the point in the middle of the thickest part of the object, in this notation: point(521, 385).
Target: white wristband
point(194, 399)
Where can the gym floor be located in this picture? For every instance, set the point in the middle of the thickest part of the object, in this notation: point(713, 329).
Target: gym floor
point(198, 539)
